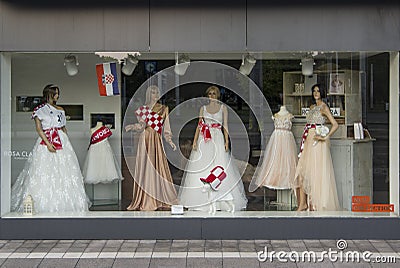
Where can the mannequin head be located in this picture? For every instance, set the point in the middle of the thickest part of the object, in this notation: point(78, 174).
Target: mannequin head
point(51, 93)
point(152, 95)
point(283, 109)
point(318, 92)
point(213, 92)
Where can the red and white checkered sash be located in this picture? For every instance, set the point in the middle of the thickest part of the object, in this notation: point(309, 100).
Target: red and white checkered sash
point(304, 137)
point(53, 137)
point(100, 134)
point(205, 129)
point(152, 119)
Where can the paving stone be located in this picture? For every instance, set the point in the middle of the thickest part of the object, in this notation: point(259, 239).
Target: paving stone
point(144, 249)
point(322, 264)
point(351, 265)
point(247, 249)
point(165, 263)
point(276, 264)
point(127, 249)
point(59, 263)
point(72, 249)
point(123, 263)
point(21, 263)
point(88, 250)
point(204, 262)
point(198, 249)
point(110, 249)
point(114, 243)
point(58, 250)
point(24, 250)
point(98, 263)
point(178, 249)
point(240, 263)
point(230, 249)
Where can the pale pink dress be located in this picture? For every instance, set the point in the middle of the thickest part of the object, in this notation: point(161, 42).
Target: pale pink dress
point(314, 171)
point(280, 158)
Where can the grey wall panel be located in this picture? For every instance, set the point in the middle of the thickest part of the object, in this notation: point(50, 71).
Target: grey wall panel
point(302, 227)
point(326, 27)
point(127, 29)
point(73, 29)
point(208, 27)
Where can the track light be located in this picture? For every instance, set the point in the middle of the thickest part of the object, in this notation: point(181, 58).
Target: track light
point(307, 65)
point(248, 63)
point(130, 64)
point(71, 64)
point(181, 64)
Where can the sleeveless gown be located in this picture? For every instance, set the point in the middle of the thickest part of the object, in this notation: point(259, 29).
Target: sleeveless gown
point(280, 158)
point(314, 171)
point(201, 162)
point(100, 165)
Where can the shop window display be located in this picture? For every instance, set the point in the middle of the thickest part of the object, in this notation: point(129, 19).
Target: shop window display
point(278, 89)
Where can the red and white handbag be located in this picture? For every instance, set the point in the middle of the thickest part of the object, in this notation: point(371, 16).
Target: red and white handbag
point(217, 175)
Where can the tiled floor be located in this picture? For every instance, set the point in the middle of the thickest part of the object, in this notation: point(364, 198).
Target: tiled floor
point(191, 253)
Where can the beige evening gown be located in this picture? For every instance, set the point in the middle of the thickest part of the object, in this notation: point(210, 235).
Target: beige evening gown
point(314, 171)
point(153, 186)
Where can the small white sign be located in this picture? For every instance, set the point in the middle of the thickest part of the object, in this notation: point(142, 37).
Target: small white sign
point(176, 210)
point(335, 111)
point(304, 111)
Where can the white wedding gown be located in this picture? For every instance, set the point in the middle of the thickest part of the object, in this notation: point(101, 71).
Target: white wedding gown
point(207, 156)
point(54, 180)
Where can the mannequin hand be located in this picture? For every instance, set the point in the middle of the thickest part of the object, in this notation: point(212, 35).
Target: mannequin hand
point(129, 128)
point(226, 146)
point(194, 146)
point(319, 138)
point(134, 127)
point(51, 148)
point(172, 145)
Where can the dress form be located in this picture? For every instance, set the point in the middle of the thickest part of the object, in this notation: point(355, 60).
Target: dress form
point(283, 111)
point(98, 125)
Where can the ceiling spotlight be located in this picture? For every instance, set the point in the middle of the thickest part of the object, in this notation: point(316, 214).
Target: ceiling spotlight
point(130, 64)
point(307, 65)
point(181, 64)
point(248, 63)
point(71, 64)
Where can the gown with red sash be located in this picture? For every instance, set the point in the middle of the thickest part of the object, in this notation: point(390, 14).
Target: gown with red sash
point(209, 154)
point(314, 172)
point(54, 180)
point(153, 186)
point(100, 165)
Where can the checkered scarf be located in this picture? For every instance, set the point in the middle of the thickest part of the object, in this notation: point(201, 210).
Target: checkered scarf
point(152, 119)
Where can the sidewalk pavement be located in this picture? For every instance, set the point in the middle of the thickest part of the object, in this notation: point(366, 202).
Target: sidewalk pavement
point(197, 253)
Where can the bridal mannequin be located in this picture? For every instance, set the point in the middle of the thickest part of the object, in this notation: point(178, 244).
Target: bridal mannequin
point(100, 165)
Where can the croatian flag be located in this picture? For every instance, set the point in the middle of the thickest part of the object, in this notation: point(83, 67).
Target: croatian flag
point(107, 79)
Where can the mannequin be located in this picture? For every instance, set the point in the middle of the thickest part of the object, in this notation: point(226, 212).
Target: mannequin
point(280, 158)
point(100, 165)
point(211, 149)
point(98, 125)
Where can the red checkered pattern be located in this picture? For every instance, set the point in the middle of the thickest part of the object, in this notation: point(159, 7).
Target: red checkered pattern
point(108, 79)
point(304, 137)
point(152, 119)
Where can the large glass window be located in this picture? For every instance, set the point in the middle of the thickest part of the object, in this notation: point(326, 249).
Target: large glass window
point(222, 134)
